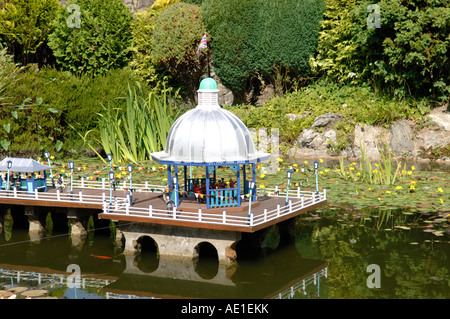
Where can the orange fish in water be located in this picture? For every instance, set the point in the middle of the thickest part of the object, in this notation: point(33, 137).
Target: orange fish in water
point(101, 257)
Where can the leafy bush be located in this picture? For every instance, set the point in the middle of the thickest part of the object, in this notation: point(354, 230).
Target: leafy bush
point(262, 39)
point(47, 103)
point(176, 37)
point(25, 26)
point(9, 73)
point(95, 39)
point(142, 30)
point(406, 55)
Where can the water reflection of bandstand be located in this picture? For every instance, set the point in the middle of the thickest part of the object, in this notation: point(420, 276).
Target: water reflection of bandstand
point(182, 279)
point(270, 279)
point(42, 277)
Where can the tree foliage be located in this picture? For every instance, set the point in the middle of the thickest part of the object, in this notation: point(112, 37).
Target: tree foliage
point(261, 38)
point(92, 36)
point(176, 37)
point(9, 72)
point(25, 26)
point(142, 30)
point(406, 54)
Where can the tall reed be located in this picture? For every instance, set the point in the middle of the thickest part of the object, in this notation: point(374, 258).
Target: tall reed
point(138, 130)
point(387, 171)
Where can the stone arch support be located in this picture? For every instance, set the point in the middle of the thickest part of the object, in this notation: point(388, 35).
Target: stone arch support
point(181, 242)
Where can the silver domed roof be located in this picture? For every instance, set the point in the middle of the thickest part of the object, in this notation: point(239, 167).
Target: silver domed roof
point(209, 134)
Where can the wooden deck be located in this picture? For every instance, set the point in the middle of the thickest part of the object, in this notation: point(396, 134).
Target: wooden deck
point(266, 211)
point(148, 207)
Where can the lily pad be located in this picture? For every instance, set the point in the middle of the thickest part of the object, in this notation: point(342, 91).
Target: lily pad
point(18, 289)
point(34, 293)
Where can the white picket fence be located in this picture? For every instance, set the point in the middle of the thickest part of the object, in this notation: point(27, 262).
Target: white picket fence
point(106, 184)
point(297, 200)
point(59, 196)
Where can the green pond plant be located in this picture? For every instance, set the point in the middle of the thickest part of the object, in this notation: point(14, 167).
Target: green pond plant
point(138, 130)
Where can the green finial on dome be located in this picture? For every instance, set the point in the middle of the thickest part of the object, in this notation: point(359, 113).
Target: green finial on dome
point(208, 84)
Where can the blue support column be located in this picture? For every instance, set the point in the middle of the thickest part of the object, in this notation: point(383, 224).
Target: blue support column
point(176, 188)
point(169, 177)
point(238, 185)
point(186, 182)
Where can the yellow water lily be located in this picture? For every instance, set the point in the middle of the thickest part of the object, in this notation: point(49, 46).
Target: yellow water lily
point(413, 168)
point(262, 175)
point(305, 162)
point(440, 190)
point(279, 159)
point(388, 192)
point(442, 202)
point(399, 187)
point(321, 160)
point(409, 172)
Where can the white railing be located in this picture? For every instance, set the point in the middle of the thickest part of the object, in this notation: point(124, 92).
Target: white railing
point(301, 285)
point(305, 200)
point(59, 196)
point(293, 191)
point(106, 184)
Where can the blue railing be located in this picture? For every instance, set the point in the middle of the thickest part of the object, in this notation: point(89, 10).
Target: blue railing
point(223, 197)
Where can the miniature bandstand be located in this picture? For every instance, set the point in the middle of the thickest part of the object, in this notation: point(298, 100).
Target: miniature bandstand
point(210, 137)
point(203, 207)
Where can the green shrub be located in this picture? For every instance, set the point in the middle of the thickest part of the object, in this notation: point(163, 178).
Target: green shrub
point(262, 39)
point(230, 23)
point(46, 103)
point(175, 39)
point(96, 42)
point(141, 61)
point(25, 26)
point(406, 55)
point(9, 73)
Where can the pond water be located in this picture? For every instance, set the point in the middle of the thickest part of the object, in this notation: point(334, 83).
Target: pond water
point(374, 254)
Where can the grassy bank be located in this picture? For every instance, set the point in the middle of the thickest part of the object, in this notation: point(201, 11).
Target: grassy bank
point(357, 104)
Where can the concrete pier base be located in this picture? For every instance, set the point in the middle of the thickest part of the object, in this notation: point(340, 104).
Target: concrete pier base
point(78, 223)
point(36, 229)
point(182, 242)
